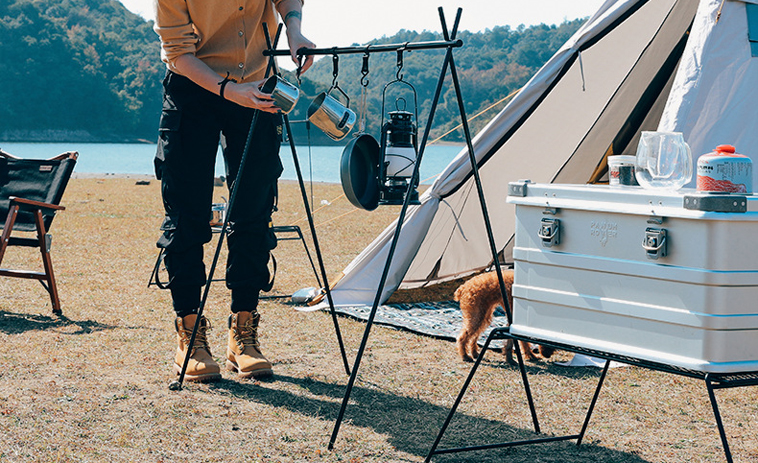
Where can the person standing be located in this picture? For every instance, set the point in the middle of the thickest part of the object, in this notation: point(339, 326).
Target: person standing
point(215, 68)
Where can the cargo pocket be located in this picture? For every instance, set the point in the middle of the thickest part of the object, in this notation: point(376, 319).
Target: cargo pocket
point(270, 240)
point(168, 232)
point(168, 137)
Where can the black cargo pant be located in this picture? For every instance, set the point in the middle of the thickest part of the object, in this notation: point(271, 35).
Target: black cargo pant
point(193, 123)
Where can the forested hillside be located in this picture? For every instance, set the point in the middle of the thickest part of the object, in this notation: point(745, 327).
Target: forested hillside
point(82, 68)
point(89, 70)
point(490, 65)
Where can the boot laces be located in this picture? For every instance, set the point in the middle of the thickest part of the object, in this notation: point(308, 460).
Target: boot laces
point(201, 337)
point(248, 334)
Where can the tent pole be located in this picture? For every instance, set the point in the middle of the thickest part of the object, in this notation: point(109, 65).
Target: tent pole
point(396, 236)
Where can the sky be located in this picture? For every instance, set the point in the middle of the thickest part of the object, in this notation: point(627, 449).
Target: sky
point(330, 23)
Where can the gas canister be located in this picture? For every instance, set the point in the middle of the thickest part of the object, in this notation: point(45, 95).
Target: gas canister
point(725, 171)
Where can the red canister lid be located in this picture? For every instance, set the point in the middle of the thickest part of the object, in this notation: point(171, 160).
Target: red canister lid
point(726, 149)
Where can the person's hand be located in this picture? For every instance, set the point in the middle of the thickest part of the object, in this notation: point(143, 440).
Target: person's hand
point(250, 95)
point(297, 41)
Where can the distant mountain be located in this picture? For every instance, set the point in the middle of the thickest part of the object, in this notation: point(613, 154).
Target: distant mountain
point(89, 70)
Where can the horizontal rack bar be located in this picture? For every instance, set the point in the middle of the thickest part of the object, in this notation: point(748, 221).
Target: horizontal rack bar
point(369, 48)
point(543, 440)
point(720, 380)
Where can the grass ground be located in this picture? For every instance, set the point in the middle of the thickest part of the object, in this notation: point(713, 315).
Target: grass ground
point(91, 386)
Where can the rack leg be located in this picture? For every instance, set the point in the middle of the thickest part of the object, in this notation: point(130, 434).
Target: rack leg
point(527, 388)
point(460, 397)
point(310, 258)
point(393, 245)
point(717, 415)
point(317, 247)
point(485, 214)
point(593, 402)
point(176, 385)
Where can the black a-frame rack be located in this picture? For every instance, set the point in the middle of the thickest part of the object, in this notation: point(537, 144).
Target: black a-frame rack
point(449, 44)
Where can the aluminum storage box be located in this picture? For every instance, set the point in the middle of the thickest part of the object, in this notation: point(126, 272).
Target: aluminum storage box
point(639, 273)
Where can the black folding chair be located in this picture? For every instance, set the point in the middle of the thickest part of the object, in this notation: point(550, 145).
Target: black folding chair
point(30, 195)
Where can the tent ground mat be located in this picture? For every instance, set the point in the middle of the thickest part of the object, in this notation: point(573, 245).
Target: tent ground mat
point(441, 320)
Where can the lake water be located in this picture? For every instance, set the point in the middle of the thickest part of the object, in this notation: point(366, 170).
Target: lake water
point(317, 163)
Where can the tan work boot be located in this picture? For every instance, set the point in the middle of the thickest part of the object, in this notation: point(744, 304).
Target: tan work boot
point(201, 366)
point(243, 353)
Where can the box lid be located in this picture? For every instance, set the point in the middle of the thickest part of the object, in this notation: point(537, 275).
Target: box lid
point(685, 203)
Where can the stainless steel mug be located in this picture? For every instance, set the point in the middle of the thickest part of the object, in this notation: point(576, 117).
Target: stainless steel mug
point(283, 93)
point(331, 116)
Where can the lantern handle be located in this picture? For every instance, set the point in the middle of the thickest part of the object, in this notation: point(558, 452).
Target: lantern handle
point(413, 91)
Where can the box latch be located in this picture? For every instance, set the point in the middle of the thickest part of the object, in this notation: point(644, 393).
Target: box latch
point(654, 243)
point(550, 232)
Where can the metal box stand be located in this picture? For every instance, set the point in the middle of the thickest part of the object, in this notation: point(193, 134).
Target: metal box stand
point(664, 281)
point(713, 381)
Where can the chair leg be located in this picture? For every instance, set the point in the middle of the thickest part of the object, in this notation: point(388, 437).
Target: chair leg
point(9, 222)
point(47, 262)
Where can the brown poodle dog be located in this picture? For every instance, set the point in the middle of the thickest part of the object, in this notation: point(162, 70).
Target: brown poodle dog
point(478, 298)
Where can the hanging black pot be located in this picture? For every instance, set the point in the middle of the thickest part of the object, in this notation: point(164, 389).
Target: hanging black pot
point(359, 172)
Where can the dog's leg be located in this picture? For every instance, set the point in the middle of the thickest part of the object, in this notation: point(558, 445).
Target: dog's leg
point(473, 347)
point(546, 351)
point(526, 351)
point(508, 351)
point(461, 345)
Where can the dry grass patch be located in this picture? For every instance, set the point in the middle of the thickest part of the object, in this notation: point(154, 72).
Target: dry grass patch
point(92, 386)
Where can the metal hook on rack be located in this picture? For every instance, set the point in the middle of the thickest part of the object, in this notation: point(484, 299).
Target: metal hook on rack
point(300, 59)
point(364, 69)
point(335, 69)
point(363, 106)
point(398, 75)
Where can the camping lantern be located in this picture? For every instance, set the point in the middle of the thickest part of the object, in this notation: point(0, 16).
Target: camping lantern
point(398, 159)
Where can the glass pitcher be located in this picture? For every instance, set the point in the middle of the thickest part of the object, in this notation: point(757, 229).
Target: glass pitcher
point(663, 161)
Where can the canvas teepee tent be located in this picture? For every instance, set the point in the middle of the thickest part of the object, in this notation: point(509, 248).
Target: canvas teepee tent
point(670, 65)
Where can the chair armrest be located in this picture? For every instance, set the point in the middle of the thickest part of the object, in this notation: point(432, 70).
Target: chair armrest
point(30, 204)
point(7, 155)
point(67, 155)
